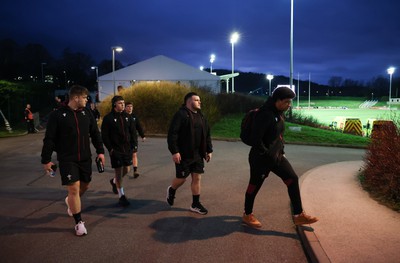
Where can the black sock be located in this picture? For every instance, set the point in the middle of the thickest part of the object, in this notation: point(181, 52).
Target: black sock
point(196, 199)
point(172, 190)
point(135, 169)
point(77, 217)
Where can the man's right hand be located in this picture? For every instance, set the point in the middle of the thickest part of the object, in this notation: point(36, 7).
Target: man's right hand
point(176, 158)
point(47, 167)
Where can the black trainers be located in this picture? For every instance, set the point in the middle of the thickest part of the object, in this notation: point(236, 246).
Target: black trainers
point(135, 175)
point(198, 208)
point(114, 186)
point(170, 196)
point(123, 201)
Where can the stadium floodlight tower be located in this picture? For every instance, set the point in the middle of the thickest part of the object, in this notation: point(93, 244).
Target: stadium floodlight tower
point(390, 71)
point(212, 59)
point(270, 77)
point(234, 39)
point(118, 49)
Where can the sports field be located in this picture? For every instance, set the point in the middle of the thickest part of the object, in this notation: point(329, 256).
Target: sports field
point(326, 116)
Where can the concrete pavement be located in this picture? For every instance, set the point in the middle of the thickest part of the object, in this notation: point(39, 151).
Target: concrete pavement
point(34, 225)
point(352, 227)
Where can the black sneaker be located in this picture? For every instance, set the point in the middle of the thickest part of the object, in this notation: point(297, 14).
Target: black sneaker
point(114, 186)
point(198, 208)
point(123, 201)
point(170, 196)
point(135, 175)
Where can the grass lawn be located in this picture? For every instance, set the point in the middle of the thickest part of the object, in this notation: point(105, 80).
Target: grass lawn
point(229, 127)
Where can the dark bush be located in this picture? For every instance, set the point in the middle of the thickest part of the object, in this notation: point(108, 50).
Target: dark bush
point(229, 103)
point(381, 176)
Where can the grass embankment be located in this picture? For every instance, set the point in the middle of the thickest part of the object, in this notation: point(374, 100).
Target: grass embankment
point(229, 127)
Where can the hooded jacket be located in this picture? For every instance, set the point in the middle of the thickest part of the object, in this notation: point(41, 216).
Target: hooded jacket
point(68, 132)
point(118, 132)
point(268, 129)
point(181, 135)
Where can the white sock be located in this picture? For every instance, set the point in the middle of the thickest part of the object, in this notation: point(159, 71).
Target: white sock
point(120, 191)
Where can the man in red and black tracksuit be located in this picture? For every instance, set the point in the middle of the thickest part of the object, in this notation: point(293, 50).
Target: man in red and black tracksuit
point(68, 132)
point(119, 133)
point(267, 155)
point(29, 119)
point(189, 142)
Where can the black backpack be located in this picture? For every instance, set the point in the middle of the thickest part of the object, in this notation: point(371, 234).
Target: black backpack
point(246, 126)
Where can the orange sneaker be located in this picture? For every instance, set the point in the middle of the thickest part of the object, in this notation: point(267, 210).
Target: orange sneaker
point(303, 219)
point(251, 221)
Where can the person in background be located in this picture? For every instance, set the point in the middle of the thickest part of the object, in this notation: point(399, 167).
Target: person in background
point(30, 124)
point(189, 142)
point(119, 134)
point(70, 129)
point(139, 129)
point(95, 111)
point(267, 155)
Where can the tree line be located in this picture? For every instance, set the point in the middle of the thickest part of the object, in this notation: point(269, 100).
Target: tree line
point(34, 63)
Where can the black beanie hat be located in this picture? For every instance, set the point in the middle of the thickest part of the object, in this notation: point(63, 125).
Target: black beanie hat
point(282, 93)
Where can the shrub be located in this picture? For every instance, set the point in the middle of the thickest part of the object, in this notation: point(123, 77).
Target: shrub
point(381, 175)
point(155, 103)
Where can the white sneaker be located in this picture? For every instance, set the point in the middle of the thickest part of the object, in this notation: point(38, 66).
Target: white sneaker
point(68, 210)
point(80, 229)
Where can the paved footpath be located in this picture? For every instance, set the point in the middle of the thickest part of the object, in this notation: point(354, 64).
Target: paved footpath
point(353, 227)
point(34, 226)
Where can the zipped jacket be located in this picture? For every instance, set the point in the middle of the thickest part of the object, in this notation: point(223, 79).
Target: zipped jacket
point(181, 135)
point(68, 133)
point(268, 129)
point(118, 132)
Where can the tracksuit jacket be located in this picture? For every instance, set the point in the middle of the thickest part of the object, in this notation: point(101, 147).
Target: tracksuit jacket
point(181, 135)
point(68, 132)
point(118, 132)
point(268, 130)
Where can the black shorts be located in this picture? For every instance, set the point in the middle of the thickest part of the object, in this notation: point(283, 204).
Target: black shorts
point(72, 172)
point(186, 167)
point(120, 159)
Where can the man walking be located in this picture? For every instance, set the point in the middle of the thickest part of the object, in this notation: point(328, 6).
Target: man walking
point(30, 125)
point(267, 155)
point(189, 142)
point(118, 135)
point(68, 131)
point(139, 129)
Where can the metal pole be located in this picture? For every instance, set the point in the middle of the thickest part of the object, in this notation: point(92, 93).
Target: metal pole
point(113, 69)
point(390, 89)
point(309, 90)
point(298, 89)
point(291, 53)
point(233, 64)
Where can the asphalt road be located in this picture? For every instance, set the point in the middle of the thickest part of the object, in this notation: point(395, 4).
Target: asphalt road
point(34, 225)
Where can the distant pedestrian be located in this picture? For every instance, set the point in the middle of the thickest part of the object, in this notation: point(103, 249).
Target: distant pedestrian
point(139, 130)
point(189, 142)
point(118, 134)
point(70, 129)
point(30, 124)
point(95, 111)
point(267, 155)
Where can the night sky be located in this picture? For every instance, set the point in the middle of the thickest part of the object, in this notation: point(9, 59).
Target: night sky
point(355, 39)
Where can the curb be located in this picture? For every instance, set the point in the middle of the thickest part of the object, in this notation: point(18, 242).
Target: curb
point(312, 247)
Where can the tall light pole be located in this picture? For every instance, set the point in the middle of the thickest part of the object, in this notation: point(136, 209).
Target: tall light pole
point(212, 59)
point(234, 39)
point(43, 63)
point(390, 71)
point(97, 79)
point(118, 49)
point(291, 53)
point(270, 77)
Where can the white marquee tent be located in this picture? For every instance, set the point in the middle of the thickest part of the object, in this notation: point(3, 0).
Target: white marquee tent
point(158, 68)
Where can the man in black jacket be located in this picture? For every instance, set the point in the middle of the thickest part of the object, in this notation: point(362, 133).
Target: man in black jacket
point(267, 155)
point(68, 133)
point(118, 134)
point(139, 129)
point(189, 142)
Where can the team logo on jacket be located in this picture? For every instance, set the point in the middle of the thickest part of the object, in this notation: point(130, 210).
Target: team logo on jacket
point(126, 118)
point(83, 112)
point(64, 114)
point(69, 177)
point(115, 120)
